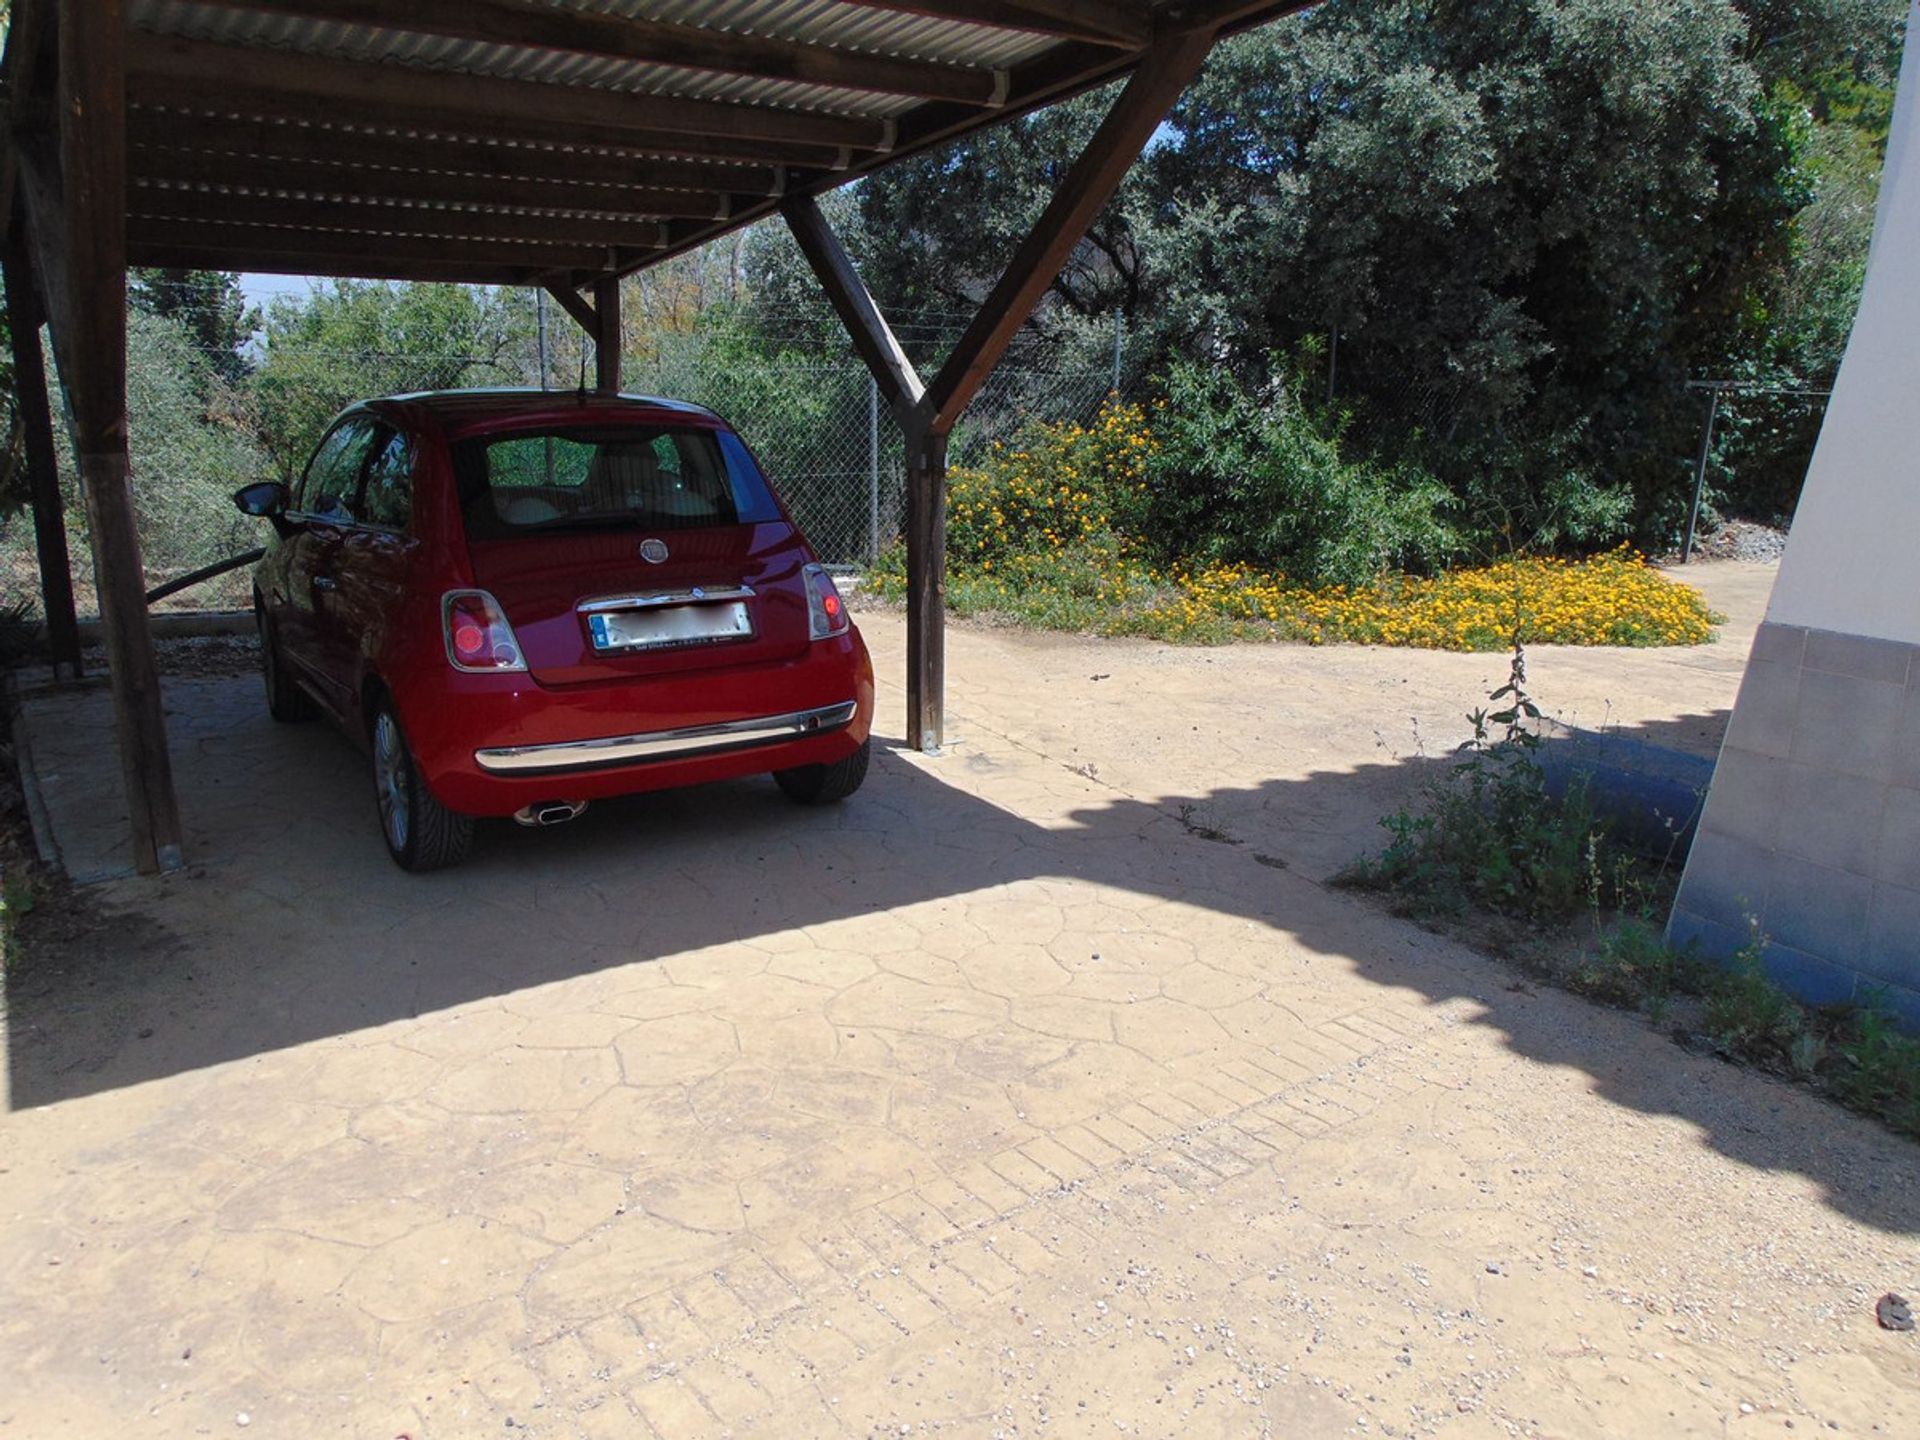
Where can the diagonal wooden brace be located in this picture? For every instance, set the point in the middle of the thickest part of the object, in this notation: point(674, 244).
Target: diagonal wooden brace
point(927, 413)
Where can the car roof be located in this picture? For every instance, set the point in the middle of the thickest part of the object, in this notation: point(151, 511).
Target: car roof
point(455, 409)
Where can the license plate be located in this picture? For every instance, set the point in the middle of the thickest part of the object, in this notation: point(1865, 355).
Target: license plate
point(660, 627)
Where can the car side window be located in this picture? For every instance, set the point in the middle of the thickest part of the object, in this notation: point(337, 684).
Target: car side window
point(387, 496)
point(333, 475)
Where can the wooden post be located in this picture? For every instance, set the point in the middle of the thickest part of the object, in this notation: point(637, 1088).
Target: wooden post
point(85, 237)
point(24, 316)
point(926, 586)
point(606, 333)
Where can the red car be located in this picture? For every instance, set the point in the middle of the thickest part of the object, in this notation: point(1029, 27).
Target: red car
point(524, 601)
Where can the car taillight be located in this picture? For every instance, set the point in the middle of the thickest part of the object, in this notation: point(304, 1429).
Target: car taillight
point(478, 635)
point(826, 611)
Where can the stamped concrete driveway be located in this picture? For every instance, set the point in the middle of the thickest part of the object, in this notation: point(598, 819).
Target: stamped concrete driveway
point(999, 1102)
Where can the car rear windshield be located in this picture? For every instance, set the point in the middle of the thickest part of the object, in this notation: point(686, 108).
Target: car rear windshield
point(653, 477)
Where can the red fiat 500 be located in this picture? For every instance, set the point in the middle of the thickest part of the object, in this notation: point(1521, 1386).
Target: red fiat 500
point(522, 602)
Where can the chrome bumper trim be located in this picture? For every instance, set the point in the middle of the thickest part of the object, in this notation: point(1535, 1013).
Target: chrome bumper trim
point(662, 744)
point(697, 596)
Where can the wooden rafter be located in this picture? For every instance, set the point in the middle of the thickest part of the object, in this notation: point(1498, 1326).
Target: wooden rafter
point(1125, 24)
point(635, 232)
point(454, 98)
point(208, 138)
point(414, 119)
point(365, 265)
point(196, 172)
point(328, 246)
point(653, 42)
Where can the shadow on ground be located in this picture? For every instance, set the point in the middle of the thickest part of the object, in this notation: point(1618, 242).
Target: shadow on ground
point(296, 927)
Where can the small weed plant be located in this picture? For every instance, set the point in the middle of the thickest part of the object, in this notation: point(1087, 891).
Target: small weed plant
point(1492, 838)
point(1491, 835)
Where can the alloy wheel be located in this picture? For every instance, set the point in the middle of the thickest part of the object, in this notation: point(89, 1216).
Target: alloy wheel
point(390, 779)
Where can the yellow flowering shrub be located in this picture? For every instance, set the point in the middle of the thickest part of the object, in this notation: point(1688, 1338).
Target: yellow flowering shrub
point(1043, 532)
point(1614, 598)
point(1054, 489)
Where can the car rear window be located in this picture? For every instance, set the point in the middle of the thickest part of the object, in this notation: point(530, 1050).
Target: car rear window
point(653, 477)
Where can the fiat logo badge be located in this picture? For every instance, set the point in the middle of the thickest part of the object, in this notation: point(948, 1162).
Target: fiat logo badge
point(653, 551)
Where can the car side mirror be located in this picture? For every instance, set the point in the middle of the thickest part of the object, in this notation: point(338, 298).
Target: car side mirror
point(265, 499)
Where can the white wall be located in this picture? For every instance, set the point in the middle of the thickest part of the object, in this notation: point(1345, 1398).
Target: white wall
point(1853, 559)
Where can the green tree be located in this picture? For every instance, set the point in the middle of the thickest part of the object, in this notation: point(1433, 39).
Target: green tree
point(1517, 228)
point(209, 306)
point(351, 339)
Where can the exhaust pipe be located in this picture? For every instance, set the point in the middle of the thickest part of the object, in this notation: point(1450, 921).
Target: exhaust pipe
point(550, 812)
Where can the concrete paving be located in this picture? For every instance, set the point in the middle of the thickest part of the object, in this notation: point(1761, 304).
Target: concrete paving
point(998, 1102)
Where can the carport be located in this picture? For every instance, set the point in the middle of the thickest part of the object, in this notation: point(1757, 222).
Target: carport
point(503, 142)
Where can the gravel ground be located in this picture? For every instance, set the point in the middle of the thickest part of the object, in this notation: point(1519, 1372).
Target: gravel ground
point(195, 656)
point(1739, 540)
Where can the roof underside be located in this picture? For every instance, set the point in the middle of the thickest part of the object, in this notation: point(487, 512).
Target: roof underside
point(515, 141)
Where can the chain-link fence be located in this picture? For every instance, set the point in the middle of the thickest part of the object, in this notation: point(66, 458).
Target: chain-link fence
point(809, 410)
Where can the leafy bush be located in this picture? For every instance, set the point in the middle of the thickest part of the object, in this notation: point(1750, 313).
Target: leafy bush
point(1260, 478)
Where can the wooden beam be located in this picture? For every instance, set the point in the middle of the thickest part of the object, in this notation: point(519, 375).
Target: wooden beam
point(855, 305)
point(31, 67)
point(607, 336)
point(576, 305)
point(24, 318)
point(239, 242)
point(267, 262)
point(453, 98)
point(91, 344)
point(159, 131)
point(196, 170)
point(25, 68)
point(550, 227)
point(244, 101)
point(926, 450)
point(1081, 195)
point(1124, 24)
point(926, 586)
point(651, 42)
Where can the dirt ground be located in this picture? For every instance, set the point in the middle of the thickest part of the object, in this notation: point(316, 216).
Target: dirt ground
point(998, 1103)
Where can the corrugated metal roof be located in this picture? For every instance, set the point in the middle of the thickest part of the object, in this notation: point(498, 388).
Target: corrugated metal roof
point(819, 22)
point(252, 173)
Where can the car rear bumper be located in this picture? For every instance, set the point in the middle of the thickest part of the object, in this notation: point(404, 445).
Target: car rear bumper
point(568, 756)
point(491, 744)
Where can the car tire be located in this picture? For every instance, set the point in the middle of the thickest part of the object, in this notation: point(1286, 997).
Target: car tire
point(286, 701)
point(826, 784)
point(420, 833)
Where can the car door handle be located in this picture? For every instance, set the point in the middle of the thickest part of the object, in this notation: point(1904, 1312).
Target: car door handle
point(324, 582)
